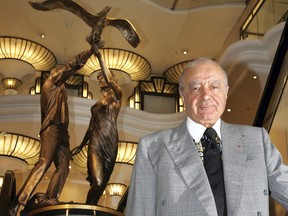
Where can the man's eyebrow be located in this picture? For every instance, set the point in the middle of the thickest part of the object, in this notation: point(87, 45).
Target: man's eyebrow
point(215, 81)
point(195, 82)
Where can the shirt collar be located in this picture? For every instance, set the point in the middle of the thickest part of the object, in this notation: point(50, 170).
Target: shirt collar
point(197, 130)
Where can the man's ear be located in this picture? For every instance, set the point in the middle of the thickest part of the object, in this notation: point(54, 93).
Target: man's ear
point(227, 90)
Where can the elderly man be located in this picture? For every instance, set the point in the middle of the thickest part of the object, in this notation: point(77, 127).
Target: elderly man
point(206, 166)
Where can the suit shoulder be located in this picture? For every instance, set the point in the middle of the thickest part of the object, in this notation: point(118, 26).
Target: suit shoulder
point(247, 130)
point(156, 141)
point(154, 144)
point(243, 128)
point(160, 136)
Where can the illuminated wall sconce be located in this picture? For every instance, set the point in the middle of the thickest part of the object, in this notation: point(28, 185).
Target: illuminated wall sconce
point(11, 85)
point(32, 91)
point(84, 91)
point(116, 189)
point(1, 182)
point(38, 85)
point(90, 95)
point(37, 88)
point(134, 100)
point(181, 105)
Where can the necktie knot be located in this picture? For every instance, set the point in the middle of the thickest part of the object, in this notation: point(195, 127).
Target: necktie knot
point(210, 133)
point(209, 138)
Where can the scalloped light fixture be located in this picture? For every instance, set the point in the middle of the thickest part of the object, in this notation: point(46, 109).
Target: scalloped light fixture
point(173, 73)
point(120, 60)
point(28, 51)
point(19, 146)
point(116, 189)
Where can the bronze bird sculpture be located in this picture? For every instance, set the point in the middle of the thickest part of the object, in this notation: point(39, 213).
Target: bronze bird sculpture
point(97, 22)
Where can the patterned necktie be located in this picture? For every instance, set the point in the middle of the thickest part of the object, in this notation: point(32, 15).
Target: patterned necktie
point(214, 169)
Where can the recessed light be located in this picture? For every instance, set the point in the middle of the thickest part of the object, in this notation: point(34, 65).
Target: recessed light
point(229, 110)
point(254, 77)
point(42, 36)
point(185, 52)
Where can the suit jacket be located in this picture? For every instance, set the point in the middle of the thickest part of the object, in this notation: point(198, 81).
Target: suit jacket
point(169, 178)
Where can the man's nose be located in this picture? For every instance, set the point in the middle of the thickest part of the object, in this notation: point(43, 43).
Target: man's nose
point(206, 94)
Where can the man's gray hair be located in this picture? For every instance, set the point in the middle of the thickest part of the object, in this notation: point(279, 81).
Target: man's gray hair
point(202, 60)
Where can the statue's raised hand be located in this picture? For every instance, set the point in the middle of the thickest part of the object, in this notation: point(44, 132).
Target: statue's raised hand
point(96, 46)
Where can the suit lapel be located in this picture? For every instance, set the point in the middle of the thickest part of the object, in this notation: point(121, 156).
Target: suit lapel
point(234, 161)
point(190, 168)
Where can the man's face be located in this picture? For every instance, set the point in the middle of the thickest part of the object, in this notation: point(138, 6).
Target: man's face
point(205, 93)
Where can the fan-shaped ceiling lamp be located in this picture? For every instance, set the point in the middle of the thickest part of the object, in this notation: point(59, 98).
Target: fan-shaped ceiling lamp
point(19, 146)
point(126, 154)
point(116, 189)
point(28, 51)
point(173, 73)
point(120, 60)
point(11, 85)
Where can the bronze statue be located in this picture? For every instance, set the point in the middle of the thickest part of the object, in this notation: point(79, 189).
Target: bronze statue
point(102, 135)
point(53, 135)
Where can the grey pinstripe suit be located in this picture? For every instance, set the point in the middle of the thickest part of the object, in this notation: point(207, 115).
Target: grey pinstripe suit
point(169, 178)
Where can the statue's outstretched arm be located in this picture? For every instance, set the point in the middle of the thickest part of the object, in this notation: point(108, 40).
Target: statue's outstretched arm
point(61, 75)
point(77, 63)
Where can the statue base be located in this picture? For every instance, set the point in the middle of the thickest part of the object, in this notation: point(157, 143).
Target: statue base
point(74, 210)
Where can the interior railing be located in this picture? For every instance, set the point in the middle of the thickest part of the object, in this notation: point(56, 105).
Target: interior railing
point(275, 85)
